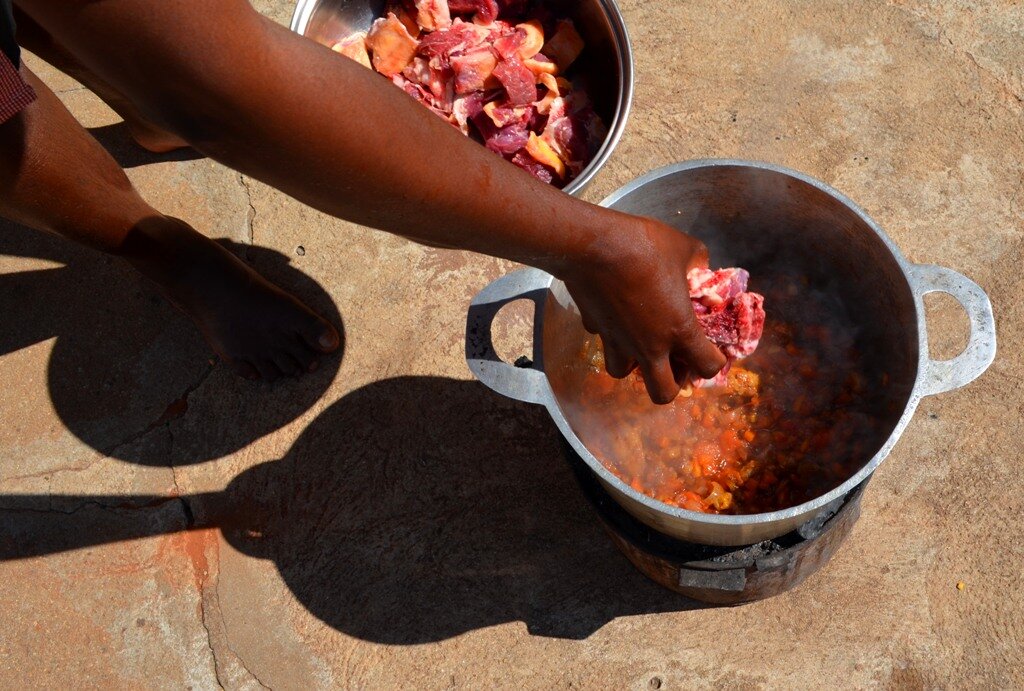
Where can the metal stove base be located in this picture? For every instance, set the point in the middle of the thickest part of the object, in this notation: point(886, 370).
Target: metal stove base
point(723, 575)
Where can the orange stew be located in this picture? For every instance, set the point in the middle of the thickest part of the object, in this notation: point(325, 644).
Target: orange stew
point(792, 423)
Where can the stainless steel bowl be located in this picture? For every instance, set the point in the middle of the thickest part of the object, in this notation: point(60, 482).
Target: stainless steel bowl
point(753, 215)
point(605, 68)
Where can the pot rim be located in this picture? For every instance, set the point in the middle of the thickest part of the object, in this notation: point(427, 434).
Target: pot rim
point(807, 507)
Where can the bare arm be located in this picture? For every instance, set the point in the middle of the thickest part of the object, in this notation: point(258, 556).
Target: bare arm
point(337, 137)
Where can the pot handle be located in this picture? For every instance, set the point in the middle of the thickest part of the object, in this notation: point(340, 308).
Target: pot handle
point(527, 383)
point(940, 376)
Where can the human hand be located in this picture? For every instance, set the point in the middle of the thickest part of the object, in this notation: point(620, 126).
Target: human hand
point(632, 291)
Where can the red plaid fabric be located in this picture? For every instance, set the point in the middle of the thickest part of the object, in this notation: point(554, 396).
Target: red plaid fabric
point(15, 94)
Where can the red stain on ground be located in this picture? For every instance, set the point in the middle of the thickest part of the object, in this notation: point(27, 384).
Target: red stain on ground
point(200, 547)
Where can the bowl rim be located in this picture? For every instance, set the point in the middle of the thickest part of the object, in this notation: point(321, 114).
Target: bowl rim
point(304, 9)
point(627, 87)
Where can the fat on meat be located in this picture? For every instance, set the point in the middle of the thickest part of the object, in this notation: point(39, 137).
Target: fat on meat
point(731, 317)
point(392, 45)
point(354, 47)
point(432, 15)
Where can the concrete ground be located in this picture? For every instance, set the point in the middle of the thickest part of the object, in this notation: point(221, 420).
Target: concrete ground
point(390, 523)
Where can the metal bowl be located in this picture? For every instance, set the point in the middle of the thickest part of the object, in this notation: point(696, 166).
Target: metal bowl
point(754, 215)
point(604, 69)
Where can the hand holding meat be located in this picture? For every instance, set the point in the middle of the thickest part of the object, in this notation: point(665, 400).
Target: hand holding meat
point(635, 297)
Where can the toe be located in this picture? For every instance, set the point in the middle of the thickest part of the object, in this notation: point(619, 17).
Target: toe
point(287, 364)
point(321, 336)
point(306, 358)
point(268, 370)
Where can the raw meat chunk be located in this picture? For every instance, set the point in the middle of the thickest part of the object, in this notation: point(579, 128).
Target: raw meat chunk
point(508, 44)
point(517, 80)
point(354, 47)
point(474, 69)
point(573, 136)
point(533, 38)
point(464, 108)
point(419, 93)
point(508, 140)
point(502, 140)
point(731, 317)
point(456, 39)
point(504, 115)
point(750, 316)
point(540, 64)
point(543, 153)
point(485, 11)
point(432, 15)
point(533, 167)
point(712, 288)
point(565, 46)
point(392, 46)
point(440, 82)
point(405, 11)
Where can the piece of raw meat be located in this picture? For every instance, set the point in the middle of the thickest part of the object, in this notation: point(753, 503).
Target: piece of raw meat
point(465, 108)
point(509, 43)
point(392, 45)
point(565, 46)
point(405, 11)
point(543, 153)
point(572, 135)
point(505, 140)
point(354, 47)
point(533, 167)
point(485, 11)
point(474, 70)
point(518, 81)
point(541, 64)
point(731, 317)
point(460, 37)
point(503, 115)
point(420, 93)
point(432, 15)
point(713, 288)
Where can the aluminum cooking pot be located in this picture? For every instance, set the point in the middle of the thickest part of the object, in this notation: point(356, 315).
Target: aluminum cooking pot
point(753, 215)
point(604, 69)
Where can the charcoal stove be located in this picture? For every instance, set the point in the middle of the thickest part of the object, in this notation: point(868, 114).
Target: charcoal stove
point(722, 575)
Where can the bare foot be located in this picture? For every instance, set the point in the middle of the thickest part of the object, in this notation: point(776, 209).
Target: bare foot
point(258, 329)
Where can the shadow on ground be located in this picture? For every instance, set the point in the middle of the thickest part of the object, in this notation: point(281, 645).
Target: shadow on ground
point(117, 140)
point(411, 510)
point(125, 364)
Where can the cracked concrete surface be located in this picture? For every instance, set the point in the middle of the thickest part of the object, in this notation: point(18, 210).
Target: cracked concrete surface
point(250, 215)
point(386, 522)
